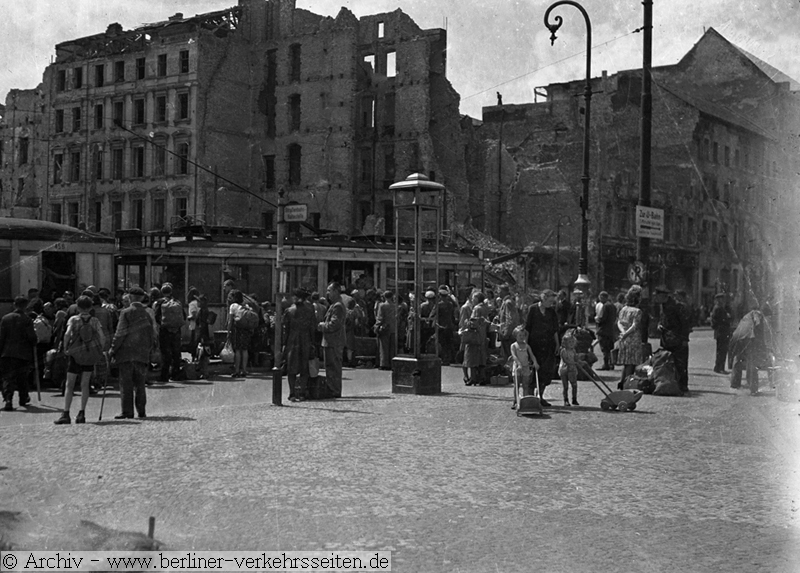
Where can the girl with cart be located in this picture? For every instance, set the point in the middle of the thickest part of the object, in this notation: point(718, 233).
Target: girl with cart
point(524, 360)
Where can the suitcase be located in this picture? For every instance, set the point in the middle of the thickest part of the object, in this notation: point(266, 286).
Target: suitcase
point(318, 389)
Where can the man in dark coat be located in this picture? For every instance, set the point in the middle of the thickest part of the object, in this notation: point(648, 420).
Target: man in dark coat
point(385, 329)
point(542, 326)
point(606, 320)
point(133, 340)
point(721, 323)
point(299, 330)
point(675, 327)
point(17, 344)
point(333, 338)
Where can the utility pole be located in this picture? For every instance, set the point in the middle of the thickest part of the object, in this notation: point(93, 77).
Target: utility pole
point(279, 283)
point(643, 243)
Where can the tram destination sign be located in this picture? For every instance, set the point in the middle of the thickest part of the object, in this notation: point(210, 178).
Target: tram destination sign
point(295, 213)
point(649, 222)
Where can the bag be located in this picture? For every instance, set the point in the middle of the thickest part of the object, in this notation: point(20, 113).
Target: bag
point(246, 318)
point(313, 368)
point(43, 328)
point(227, 353)
point(665, 375)
point(84, 347)
point(172, 315)
point(635, 382)
point(318, 389)
point(670, 340)
point(155, 355)
point(470, 336)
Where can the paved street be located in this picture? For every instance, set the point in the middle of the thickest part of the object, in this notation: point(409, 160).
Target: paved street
point(454, 482)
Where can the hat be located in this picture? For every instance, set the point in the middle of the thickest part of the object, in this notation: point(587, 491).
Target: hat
point(93, 288)
point(444, 289)
point(355, 292)
point(430, 294)
point(136, 291)
point(166, 289)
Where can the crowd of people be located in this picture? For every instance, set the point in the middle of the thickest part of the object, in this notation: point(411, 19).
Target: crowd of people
point(541, 336)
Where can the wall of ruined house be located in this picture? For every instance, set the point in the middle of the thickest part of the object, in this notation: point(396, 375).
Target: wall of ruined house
point(23, 121)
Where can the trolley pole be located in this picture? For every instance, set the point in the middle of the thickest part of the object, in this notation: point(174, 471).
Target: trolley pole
point(279, 282)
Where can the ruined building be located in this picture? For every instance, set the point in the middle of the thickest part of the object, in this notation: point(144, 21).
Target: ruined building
point(724, 170)
point(203, 119)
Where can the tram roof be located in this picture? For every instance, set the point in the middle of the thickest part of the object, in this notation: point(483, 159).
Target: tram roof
point(34, 229)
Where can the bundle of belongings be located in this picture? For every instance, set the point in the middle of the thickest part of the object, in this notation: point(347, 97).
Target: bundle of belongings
point(656, 376)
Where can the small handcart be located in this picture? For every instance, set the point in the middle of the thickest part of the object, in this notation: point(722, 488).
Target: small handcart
point(527, 405)
point(622, 400)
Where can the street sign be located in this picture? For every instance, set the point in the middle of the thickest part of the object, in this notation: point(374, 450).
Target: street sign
point(649, 222)
point(295, 213)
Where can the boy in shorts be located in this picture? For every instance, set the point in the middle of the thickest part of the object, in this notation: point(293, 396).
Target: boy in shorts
point(72, 339)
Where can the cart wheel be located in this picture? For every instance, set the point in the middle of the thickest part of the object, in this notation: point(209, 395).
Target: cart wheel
point(604, 405)
point(622, 406)
point(632, 407)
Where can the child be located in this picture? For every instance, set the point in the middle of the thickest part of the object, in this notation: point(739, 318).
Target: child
point(523, 360)
point(568, 368)
point(84, 341)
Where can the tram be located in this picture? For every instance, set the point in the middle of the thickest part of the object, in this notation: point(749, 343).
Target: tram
point(52, 258)
point(207, 259)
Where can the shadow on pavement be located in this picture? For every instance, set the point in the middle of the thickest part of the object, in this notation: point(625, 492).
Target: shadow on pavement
point(40, 409)
point(112, 422)
point(487, 397)
point(169, 419)
point(3, 468)
point(335, 410)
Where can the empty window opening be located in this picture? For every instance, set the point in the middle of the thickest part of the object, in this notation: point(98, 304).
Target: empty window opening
point(381, 29)
point(295, 163)
point(369, 59)
point(391, 64)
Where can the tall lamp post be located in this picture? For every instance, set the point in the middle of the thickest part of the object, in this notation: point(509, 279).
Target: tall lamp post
point(582, 282)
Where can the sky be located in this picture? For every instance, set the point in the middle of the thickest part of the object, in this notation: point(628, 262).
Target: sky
point(493, 45)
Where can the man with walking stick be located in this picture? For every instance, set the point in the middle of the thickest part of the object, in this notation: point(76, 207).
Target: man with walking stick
point(130, 348)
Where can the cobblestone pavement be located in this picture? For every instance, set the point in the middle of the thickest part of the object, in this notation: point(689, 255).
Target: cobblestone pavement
point(454, 482)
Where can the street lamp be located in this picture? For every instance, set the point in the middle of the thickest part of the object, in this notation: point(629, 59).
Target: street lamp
point(420, 373)
point(582, 282)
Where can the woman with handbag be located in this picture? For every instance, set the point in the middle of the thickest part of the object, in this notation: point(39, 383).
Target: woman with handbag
point(629, 323)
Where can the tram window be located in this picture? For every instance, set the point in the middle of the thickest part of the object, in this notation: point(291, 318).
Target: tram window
point(206, 277)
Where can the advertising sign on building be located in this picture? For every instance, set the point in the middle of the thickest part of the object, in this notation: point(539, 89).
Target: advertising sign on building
point(649, 222)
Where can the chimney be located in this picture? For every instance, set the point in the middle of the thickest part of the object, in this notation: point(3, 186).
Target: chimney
point(178, 16)
point(114, 29)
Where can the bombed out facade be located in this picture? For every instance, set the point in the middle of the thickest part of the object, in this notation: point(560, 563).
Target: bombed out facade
point(204, 118)
point(723, 170)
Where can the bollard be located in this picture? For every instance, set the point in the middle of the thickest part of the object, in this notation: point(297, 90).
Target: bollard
point(277, 387)
point(151, 527)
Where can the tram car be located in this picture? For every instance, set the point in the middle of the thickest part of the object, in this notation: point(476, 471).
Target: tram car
point(52, 258)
